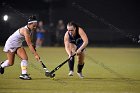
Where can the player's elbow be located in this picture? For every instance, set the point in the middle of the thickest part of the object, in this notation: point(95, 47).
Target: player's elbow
point(86, 42)
point(29, 44)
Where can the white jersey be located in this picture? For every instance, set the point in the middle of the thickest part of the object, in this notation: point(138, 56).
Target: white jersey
point(14, 41)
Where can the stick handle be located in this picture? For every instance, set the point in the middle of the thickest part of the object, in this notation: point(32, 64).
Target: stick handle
point(58, 67)
point(43, 65)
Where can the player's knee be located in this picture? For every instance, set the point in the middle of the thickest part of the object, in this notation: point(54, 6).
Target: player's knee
point(80, 62)
point(25, 58)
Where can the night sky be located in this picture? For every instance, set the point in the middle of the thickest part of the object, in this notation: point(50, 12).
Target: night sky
point(123, 14)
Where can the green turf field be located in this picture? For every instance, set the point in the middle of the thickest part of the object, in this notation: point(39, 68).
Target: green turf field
point(107, 70)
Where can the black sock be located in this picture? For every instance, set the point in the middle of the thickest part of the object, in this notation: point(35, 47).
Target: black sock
point(80, 67)
point(71, 64)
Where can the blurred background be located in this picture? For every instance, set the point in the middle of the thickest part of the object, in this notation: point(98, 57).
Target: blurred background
point(106, 22)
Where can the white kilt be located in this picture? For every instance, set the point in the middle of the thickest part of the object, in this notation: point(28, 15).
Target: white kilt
point(11, 46)
point(14, 41)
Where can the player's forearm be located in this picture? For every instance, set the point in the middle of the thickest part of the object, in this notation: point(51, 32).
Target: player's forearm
point(67, 48)
point(83, 45)
point(30, 45)
point(32, 49)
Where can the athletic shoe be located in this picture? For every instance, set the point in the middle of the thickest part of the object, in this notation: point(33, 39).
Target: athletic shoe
point(80, 75)
point(70, 73)
point(1, 69)
point(24, 77)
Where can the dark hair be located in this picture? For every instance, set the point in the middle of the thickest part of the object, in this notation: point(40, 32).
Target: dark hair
point(72, 23)
point(32, 18)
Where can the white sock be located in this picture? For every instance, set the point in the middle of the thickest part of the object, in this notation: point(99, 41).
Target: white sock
point(24, 66)
point(5, 64)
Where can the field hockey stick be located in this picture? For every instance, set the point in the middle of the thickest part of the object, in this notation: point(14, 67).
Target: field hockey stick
point(45, 68)
point(47, 73)
point(59, 66)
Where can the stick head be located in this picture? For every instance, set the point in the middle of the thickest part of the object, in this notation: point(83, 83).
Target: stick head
point(52, 75)
point(47, 74)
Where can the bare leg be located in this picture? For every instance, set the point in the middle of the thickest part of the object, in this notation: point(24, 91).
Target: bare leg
point(22, 54)
point(71, 61)
point(80, 64)
point(81, 58)
point(10, 59)
point(8, 62)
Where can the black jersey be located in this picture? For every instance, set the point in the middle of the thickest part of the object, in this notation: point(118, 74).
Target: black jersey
point(77, 40)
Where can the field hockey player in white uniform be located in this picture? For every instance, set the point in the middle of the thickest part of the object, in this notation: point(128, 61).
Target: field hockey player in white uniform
point(14, 46)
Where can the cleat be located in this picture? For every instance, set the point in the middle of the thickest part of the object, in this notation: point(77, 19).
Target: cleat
point(1, 69)
point(70, 73)
point(25, 77)
point(80, 75)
